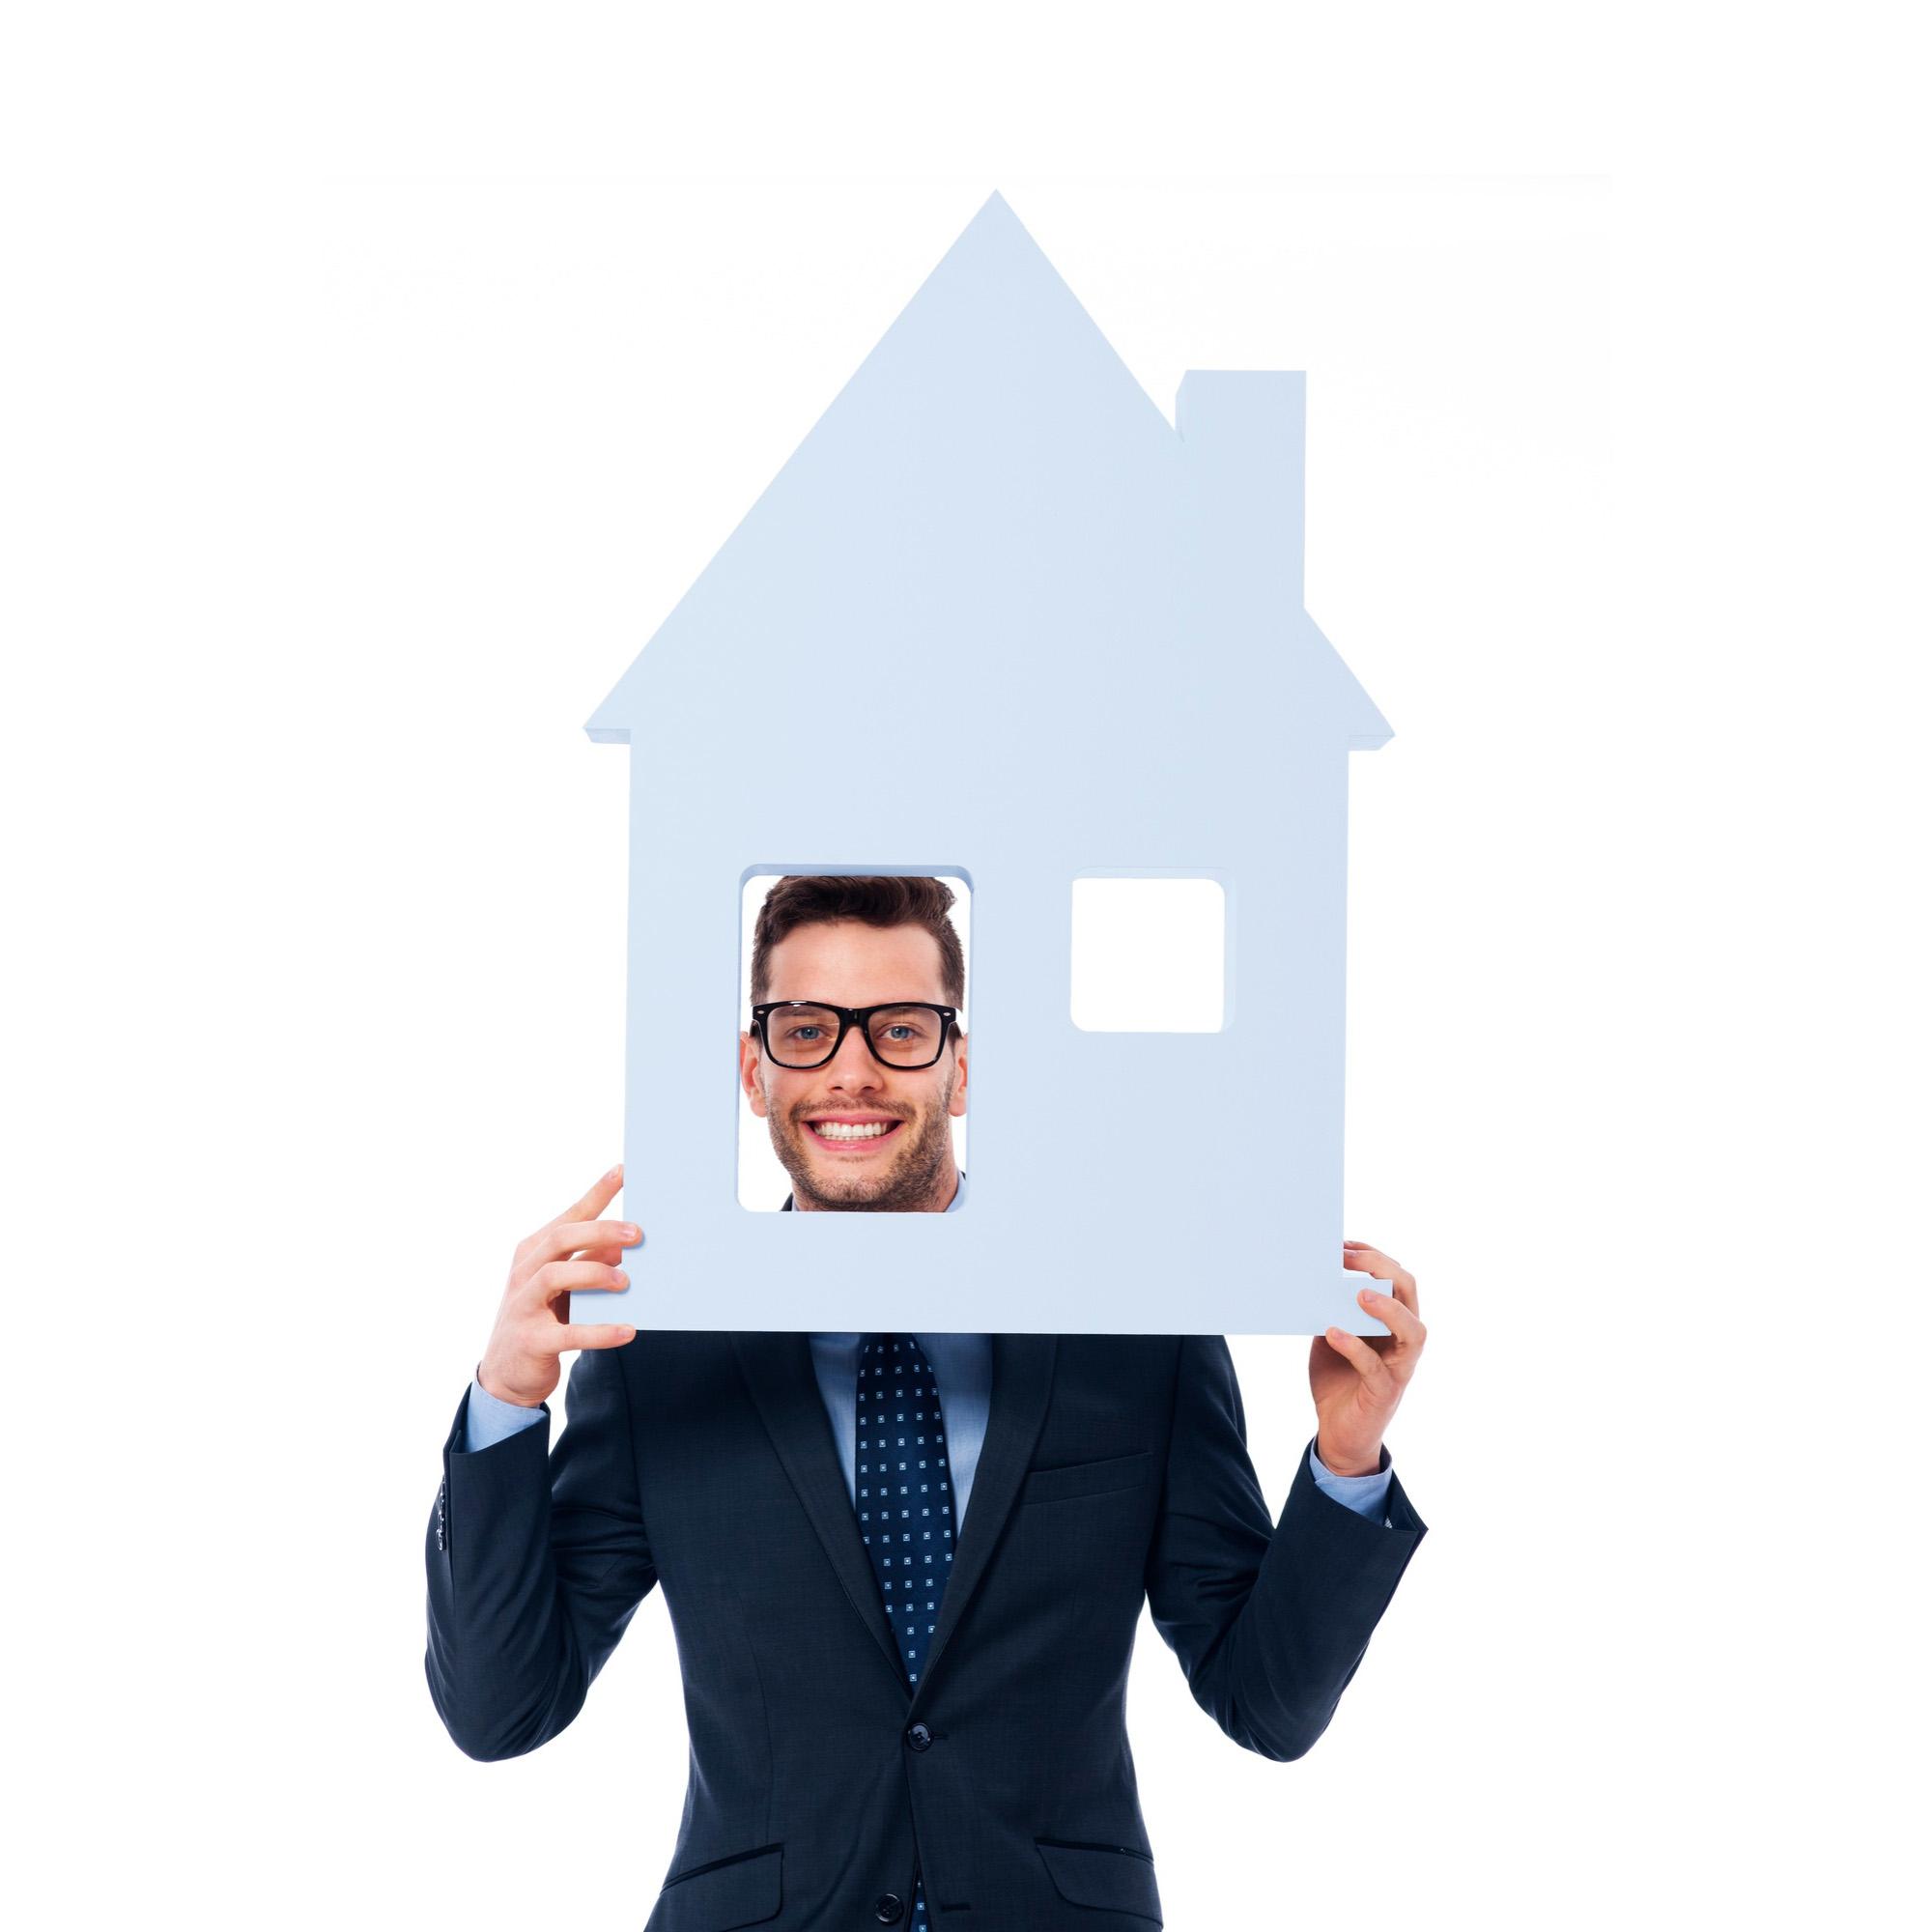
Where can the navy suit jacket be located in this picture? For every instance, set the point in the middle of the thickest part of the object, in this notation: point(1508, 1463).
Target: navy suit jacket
point(1115, 1470)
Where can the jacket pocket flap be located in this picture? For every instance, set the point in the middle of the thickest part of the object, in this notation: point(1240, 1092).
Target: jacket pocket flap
point(733, 1892)
point(1087, 1479)
point(1117, 1878)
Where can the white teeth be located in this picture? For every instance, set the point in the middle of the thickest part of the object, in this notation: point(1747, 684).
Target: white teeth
point(832, 1130)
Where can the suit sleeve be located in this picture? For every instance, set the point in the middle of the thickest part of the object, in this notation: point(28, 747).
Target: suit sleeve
point(537, 1563)
point(1269, 1620)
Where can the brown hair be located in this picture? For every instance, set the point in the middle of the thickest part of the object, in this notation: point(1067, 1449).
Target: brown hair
point(875, 899)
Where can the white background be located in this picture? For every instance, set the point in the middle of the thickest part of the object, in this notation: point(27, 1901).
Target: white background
point(378, 377)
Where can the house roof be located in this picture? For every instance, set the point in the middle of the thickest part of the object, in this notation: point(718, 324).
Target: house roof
point(993, 485)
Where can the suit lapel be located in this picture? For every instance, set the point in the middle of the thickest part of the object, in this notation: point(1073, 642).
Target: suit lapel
point(778, 1369)
point(1022, 1382)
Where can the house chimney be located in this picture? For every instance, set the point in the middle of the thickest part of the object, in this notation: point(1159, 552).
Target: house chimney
point(1244, 433)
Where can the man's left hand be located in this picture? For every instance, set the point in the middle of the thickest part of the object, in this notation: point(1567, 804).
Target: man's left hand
point(1359, 1380)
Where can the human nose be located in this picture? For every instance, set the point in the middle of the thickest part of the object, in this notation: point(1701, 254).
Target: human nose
point(854, 1064)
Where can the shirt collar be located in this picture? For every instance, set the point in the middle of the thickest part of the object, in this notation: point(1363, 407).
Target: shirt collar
point(942, 1349)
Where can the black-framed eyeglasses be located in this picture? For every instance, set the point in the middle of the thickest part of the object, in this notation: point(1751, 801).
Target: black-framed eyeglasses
point(906, 1036)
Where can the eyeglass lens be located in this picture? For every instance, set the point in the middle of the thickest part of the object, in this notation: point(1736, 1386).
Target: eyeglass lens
point(802, 1034)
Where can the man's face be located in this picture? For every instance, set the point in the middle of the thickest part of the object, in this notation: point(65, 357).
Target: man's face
point(908, 1169)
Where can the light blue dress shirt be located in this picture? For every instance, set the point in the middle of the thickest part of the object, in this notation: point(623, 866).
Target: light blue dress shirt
point(964, 1367)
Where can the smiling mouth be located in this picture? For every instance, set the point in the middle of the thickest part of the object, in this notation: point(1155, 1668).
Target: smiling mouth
point(850, 1139)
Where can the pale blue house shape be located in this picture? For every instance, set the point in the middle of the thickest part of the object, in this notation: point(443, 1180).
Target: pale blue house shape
point(1081, 632)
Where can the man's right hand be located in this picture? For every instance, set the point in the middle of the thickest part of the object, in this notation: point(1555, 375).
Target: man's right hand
point(533, 1327)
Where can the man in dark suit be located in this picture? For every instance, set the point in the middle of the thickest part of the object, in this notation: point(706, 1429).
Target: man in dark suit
point(904, 1572)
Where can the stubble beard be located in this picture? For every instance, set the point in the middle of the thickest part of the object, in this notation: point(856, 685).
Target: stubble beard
point(907, 1187)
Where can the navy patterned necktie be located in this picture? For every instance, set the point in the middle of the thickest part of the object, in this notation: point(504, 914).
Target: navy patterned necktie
point(904, 1499)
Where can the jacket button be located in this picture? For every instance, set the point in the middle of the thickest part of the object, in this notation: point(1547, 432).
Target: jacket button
point(888, 1908)
point(919, 1738)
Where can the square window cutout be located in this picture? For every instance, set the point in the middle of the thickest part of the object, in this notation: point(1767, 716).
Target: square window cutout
point(1149, 955)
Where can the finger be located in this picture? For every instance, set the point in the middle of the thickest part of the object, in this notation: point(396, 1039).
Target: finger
point(1360, 1256)
point(554, 1278)
point(574, 1235)
point(562, 1239)
point(1366, 1362)
point(1404, 1323)
point(600, 1197)
point(593, 1335)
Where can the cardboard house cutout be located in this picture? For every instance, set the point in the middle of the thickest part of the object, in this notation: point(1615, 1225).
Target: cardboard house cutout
point(1071, 636)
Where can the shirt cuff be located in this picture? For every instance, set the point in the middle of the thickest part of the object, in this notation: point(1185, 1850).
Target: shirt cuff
point(489, 1419)
point(1366, 1494)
